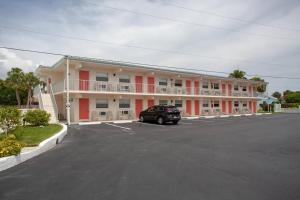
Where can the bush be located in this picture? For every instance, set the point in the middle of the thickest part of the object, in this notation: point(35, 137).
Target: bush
point(10, 117)
point(290, 105)
point(37, 117)
point(10, 146)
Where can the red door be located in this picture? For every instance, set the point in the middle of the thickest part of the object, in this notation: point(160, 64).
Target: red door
point(150, 102)
point(229, 89)
point(223, 89)
point(84, 109)
point(150, 82)
point(250, 106)
point(139, 84)
point(188, 108)
point(229, 107)
point(138, 107)
point(83, 80)
point(197, 107)
point(250, 91)
point(188, 86)
point(196, 87)
point(224, 106)
point(254, 106)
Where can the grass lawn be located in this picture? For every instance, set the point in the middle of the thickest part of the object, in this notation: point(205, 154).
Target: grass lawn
point(33, 135)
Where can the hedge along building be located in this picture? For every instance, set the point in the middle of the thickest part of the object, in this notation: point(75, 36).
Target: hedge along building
point(85, 89)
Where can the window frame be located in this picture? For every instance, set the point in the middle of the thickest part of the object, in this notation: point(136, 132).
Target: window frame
point(105, 77)
point(163, 100)
point(162, 80)
point(124, 78)
point(238, 104)
point(107, 103)
point(124, 103)
point(204, 83)
point(175, 103)
point(178, 85)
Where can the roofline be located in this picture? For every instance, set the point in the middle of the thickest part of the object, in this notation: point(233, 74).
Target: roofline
point(139, 65)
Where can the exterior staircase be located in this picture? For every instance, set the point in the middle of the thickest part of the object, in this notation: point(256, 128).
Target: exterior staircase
point(47, 102)
point(49, 107)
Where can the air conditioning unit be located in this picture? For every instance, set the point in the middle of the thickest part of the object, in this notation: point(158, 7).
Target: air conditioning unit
point(163, 90)
point(125, 88)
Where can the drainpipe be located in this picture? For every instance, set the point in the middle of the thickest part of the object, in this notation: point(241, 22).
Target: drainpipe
point(68, 94)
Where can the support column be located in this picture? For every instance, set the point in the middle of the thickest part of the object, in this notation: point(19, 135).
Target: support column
point(68, 94)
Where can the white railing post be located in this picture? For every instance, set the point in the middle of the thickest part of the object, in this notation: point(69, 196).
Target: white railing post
point(68, 94)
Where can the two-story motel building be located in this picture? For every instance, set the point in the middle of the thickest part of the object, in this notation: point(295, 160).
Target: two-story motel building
point(85, 89)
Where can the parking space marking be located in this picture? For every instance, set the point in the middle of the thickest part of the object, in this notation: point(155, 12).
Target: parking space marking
point(122, 127)
point(205, 120)
point(185, 123)
point(150, 124)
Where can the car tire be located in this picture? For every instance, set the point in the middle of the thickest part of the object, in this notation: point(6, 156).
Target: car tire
point(175, 122)
point(142, 119)
point(160, 120)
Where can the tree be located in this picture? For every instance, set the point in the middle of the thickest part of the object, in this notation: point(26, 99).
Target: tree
point(30, 81)
point(277, 95)
point(10, 117)
point(15, 80)
point(293, 97)
point(261, 88)
point(238, 74)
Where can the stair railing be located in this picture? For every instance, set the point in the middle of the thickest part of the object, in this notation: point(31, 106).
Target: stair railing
point(53, 102)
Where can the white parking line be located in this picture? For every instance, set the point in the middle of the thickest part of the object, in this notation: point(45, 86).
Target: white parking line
point(151, 124)
point(203, 120)
point(185, 123)
point(127, 128)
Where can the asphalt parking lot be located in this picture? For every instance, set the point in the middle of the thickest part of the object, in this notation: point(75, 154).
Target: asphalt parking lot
point(253, 157)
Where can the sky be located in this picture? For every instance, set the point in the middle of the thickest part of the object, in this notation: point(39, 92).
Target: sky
point(258, 37)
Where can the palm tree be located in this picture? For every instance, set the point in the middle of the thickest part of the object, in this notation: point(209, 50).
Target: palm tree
point(238, 74)
point(15, 80)
point(30, 82)
point(262, 87)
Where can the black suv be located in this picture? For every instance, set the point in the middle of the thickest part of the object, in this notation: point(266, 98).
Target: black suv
point(161, 114)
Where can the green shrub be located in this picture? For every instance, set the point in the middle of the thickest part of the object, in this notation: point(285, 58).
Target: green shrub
point(10, 146)
point(10, 117)
point(290, 105)
point(37, 117)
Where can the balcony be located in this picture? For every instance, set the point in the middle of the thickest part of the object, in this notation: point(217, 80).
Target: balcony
point(144, 89)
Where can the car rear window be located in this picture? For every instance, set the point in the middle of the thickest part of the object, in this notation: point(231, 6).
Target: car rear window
point(172, 109)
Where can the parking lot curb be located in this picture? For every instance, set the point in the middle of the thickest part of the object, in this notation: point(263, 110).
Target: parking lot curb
point(10, 161)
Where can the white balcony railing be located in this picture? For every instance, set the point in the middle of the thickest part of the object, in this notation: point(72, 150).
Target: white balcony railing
point(117, 87)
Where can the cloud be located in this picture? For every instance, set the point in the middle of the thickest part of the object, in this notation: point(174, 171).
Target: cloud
point(9, 59)
point(212, 49)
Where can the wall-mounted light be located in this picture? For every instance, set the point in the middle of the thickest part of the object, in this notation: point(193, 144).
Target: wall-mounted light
point(114, 74)
point(114, 100)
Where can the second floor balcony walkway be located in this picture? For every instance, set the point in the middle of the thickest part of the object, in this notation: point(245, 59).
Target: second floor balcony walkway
point(86, 86)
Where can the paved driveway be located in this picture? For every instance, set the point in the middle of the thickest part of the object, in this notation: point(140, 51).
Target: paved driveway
point(255, 157)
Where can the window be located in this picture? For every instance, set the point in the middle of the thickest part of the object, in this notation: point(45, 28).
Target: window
point(124, 103)
point(244, 89)
point(236, 87)
point(178, 83)
point(101, 103)
point(124, 78)
point(244, 104)
point(205, 85)
point(159, 108)
point(236, 104)
point(216, 104)
point(163, 82)
point(163, 102)
point(205, 104)
point(102, 77)
point(178, 103)
point(215, 86)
